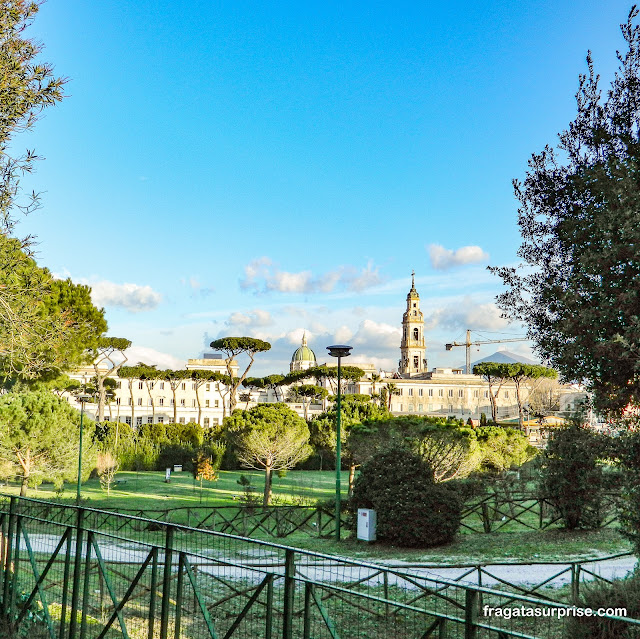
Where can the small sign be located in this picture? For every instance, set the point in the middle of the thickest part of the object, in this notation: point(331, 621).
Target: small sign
point(177, 468)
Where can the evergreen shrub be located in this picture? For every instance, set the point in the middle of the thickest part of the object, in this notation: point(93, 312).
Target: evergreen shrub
point(571, 477)
point(412, 510)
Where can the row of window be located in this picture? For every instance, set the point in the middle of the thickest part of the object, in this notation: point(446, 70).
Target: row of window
point(183, 386)
point(206, 422)
point(160, 402)
point(450, 392)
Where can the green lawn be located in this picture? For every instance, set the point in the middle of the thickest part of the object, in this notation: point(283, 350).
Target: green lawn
point(149, 491)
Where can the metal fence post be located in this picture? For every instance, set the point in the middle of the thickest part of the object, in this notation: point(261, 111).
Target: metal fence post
point(85, 587)
point(153, 592)
point(166, 584)
point(77, 568)
point(65, 582)
point(289, 591)
point(269, 615)
point(306, 629)
point(471, 614)
point(8, 557)
point(181, 559)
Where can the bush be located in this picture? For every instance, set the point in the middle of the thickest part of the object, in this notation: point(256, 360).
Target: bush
point(571, 477)
point(621, 593)
point(629, 455)
point(412, 510)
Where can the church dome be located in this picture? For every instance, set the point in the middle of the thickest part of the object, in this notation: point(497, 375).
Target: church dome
point(303, 357)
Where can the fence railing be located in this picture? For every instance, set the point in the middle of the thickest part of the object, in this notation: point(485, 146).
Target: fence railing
point(491, 513)
point(560, 581)
point(246, 521)
point(84, 573)
point(487, 514)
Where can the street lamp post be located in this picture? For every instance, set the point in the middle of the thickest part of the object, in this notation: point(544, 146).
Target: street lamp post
point(338, 351)
point(82, 399)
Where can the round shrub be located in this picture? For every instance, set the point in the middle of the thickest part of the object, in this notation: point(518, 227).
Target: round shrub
point(412, 510)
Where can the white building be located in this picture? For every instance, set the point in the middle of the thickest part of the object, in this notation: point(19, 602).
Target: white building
point(413, 388)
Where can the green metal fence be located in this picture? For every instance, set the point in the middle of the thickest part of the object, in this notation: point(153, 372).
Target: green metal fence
point(486, 514)
point(246, 521)
point(84, 573)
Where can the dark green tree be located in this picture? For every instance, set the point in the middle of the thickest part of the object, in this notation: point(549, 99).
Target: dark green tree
point(572, 478)
point(269, 437)
point(579, 285)
point(39, 439)
point(46, 325)
point(412, 509)
point(232, 347)
point(84, 323)
point(355, 409)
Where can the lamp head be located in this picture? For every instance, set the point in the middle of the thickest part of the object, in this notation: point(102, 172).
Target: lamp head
point(339, 350)
point(448, 347)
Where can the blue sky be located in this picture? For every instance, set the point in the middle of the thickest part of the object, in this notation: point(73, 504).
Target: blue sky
point(234, 168)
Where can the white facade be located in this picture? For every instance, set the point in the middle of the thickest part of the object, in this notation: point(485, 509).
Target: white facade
point(414, 389)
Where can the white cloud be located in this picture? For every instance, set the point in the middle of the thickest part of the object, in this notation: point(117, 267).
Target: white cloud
point(377, 336)
point(443, 258)
point(263, 275)
point(466, 314)
point(152, 357)
point(257, 317)
point(132, 297)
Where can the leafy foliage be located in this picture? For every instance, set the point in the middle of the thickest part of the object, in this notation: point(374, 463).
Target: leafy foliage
point(355, 409)
point(628, 454)
point(39, 438)
point(46, 325)
point(620, 593)
point(270, 437)
point(28, 87)
point(578, 218)
point(412, 510)
point(452, 449)
point(232, 347)
point(572, 477)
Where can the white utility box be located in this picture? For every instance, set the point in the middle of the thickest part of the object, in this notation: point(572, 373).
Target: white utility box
point(366, 524)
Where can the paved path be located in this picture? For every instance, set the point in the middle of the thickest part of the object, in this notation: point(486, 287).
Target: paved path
point(253, 568)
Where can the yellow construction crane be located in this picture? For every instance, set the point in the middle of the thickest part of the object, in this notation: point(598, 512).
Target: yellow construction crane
point(468, 344)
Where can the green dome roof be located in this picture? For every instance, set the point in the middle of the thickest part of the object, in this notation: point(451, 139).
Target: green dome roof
point(303, 353)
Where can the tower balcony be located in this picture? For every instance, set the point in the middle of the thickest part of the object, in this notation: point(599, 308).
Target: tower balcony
point(412, 343)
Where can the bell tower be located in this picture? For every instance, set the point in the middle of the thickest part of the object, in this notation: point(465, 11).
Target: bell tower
point(413, 354)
